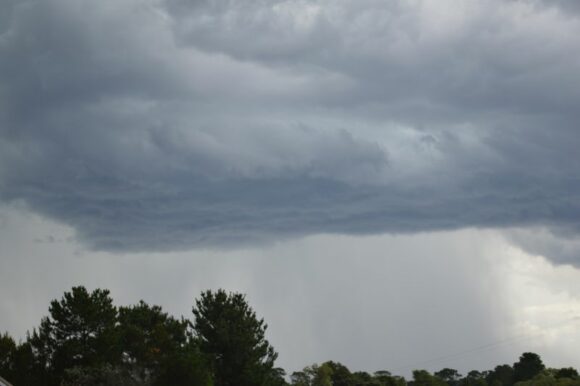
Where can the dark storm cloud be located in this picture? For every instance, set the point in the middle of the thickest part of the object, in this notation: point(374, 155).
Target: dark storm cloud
point(167, 125)
point(561, 246)
point(562, 5)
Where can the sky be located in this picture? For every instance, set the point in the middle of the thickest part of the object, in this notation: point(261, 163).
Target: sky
point(393, 184)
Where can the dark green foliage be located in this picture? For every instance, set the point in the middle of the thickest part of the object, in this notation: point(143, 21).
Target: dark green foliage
point(424, 378)
point(362, 378)
point(502, 375)
point(567, 372)
point(322, 375)
point(315, 375)
point(7, 356)
point(184, 367)
point(233, 340)
point(276, 377)
point(528, 367)
point(300, 378)
point(384, 378)
point(27, 369)
point(336, 374)
point(147, 334)
point(449, 376)
point(475, 378)
point(79, 332)
point(104, 375)
point(546, 379)
point(86, 341)
point(340, 374)
point(159, 347)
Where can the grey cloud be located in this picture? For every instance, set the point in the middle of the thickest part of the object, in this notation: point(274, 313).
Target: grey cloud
point(477, 58)
point(566, 6)
point(168, 125)
point(559, 245)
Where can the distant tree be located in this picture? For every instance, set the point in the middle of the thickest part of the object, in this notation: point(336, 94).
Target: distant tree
point(336, 374)
point(300, 378)
point(539, 380)
point(567, 372)
point(385, 378)
point(450, 376)
point(233, 340)
point(502, 375)
point(276, 377)
point(340, 374)
point(474, 378)
point(322, 376)
point(362, 378)
point(528, 367)
point(546, 379)
point(314, 375)
point(424, 378)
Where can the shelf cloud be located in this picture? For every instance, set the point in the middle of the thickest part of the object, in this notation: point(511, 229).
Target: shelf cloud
point(166, 125)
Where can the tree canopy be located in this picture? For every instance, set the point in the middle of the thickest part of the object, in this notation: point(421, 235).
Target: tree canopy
point(87, 340)
point(233, 339)
point(529, 365)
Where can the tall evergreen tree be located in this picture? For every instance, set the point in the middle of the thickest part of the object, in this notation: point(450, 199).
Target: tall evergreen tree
point(80, 331)
point(160, 347)
point(233, 339)
point(7, 356)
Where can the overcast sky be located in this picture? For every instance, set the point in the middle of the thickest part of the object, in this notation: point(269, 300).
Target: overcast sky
point(390, 182)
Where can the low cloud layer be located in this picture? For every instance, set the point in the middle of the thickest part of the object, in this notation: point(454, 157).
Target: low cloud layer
point(169, 124)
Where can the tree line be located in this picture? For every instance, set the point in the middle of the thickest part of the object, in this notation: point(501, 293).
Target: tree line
point(86, 340)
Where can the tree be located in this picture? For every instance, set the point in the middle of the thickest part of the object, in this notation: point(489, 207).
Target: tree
point(104, 375)
point(233, 340)
point(276, 377)
point(339, 374)
point(545, 378)
point(475, 378)
point(424, 378)
point(528, 367)
point(28, 370)
point(385, 378)
point(79, 332)
point(159, 347)
point(17, 362)
point(314, 375)
point(300, 378)
point(362, 378)
point(450, 376)
point(336, 374)
point(322, 375)
point(502, 375)
point(7, 354)
point(566, 372)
